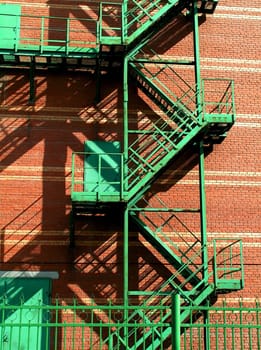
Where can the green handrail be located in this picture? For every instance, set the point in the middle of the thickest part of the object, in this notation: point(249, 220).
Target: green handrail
point(68, 36)
point(228, 264)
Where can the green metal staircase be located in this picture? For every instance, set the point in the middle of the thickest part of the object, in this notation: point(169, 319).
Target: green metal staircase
point(179, 123)
point(103, 175)
point(163, 298)
point(29, 35)
point(136, 18)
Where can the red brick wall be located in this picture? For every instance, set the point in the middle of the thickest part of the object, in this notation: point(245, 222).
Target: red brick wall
point(37, 142)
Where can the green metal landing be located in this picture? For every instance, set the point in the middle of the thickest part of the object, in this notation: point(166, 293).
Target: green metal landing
point(116, 24)
point(48, 36)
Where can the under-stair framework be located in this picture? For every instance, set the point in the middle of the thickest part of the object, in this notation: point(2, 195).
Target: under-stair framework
point(189, 114)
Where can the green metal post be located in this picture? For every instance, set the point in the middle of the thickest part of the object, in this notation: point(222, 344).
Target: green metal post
point(197, 60)
point(206, 328)
point(203, 217)
point(203, 214)
point(125, 121)
point(126, 211)
point(126, 272)
point(175, 314)
point(124, 21)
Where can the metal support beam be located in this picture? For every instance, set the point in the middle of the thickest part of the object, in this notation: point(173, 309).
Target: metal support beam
point(125, 121)
point(175, 313)
point(197, 59)
point(126, 210)
point(203, 213)
point(163, 61)
point(126, 273)
point(124, 21)
point(206, 328)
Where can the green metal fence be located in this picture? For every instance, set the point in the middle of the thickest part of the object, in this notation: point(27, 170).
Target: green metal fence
point(225, 327)
point(93, 327)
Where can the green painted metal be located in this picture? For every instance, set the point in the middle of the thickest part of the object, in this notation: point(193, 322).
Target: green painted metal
point(9, 25)
point(117, 24)
point(176, 322)
point(228, 264)
point(103, 174)
point(125, 121)
point(203, 211)
point(126, 275)
point(97, 173)
point(20, 325)
point(64, 39)
point(229, 326)
point(102, 167)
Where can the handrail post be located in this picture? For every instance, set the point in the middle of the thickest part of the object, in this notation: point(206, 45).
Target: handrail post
point(17, 30)
point(124, 21)
point(42, 35)
point(197, 61)
point(100, 23)
point(175, 321)
point(126, 273)
point(67, 35)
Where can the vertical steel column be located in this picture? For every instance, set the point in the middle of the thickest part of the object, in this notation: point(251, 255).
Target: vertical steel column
point(175, 320)
point(126, 273)
point(197, 60)
point(124, 22)
point(126, 210)
point(125, 122)
point(203, 216)
point(206, 328)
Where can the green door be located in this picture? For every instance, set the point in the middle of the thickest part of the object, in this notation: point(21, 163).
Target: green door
point(102, 167)
point(21, 323)
point(9, 25)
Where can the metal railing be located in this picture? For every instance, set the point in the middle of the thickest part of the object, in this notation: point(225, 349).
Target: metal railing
point(111, 22)
point(50, 34)
point(228, 267)
point(226, 327)
point(218, 96)
point(74, 327)
point(91, 327)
